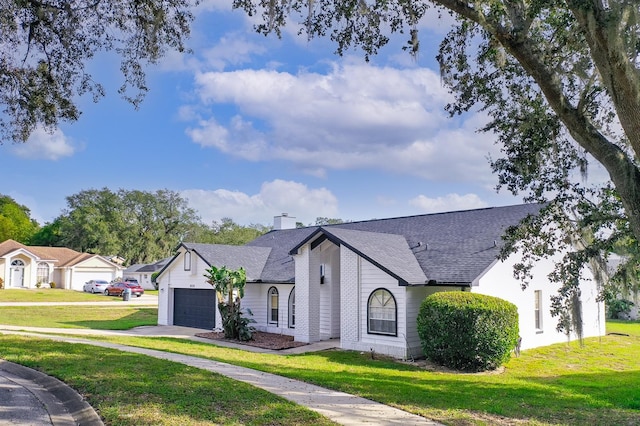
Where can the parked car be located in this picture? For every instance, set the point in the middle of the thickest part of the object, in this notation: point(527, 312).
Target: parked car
point(131, 280)
point(116, 289)
point(95, 286)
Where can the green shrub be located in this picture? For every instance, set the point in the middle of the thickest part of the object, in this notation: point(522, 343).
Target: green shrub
point(467, 331)
point(52, 284)
point(618, 308)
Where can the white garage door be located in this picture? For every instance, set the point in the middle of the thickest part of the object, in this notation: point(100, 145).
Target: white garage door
point(81, 277)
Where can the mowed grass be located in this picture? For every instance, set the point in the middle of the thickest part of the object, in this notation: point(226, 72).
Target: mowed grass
point(564, 384)
point(98, 317)
point(57, 295)
point(132, 389)
point(51, 295)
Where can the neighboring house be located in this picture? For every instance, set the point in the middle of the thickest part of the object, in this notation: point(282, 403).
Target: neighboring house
point(25, 266)
point(363, 282)
point(143, 272)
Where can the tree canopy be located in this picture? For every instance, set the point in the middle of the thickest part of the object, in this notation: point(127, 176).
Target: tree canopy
point(47, 45)
point(15, 221)
point(560, 83)
point(139, 226)
point(228, 232)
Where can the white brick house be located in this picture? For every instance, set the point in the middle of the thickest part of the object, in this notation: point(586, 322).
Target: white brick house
point(363, 282)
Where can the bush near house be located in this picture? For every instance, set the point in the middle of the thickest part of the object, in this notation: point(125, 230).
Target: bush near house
point(467, 331)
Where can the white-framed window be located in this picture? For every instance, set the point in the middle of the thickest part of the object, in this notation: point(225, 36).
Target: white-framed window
point(43, 272)
point(537, 296)
point(382, 313)
point(187, 260)
point(292, 308)
point(272, 301)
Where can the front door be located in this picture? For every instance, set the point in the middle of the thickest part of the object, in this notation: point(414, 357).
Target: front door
point(17, 273)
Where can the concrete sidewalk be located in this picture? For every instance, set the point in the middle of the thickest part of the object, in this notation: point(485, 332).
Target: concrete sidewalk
point(340, 407)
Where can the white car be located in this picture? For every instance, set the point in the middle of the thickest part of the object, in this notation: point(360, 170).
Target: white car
point(95, 286)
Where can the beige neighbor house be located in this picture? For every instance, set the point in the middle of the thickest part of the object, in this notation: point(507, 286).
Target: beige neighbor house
point(25, 266)
point(363, 282)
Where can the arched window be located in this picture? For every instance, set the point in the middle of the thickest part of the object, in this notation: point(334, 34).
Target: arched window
point(382, 313)
point(17, 263)
point(272, 302)
point(292, 308)
point(43, 272)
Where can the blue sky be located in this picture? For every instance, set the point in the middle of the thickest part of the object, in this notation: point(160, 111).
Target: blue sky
point(248, 127)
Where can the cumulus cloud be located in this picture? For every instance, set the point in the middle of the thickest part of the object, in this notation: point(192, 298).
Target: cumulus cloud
point(449, 202)
point(44, 145)
point(274, 198)
point(354, 117)
point(232, 49)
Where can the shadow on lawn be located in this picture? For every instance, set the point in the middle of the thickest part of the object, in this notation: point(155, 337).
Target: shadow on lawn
point(140, 317)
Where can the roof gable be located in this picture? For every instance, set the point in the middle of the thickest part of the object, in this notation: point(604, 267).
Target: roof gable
point(9, 246)
point(389, 252)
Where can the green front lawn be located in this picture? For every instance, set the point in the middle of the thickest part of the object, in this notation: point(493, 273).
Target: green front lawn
point(561, 384)
point(98, 317)
point(50, 295)
point(131, 389)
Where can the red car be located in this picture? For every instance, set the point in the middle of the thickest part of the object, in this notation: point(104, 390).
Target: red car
point(116, 289)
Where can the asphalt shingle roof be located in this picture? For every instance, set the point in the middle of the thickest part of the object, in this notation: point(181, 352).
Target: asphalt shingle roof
point(450, 248)
point(252, 259)
point(62, 256)
point(388, 251)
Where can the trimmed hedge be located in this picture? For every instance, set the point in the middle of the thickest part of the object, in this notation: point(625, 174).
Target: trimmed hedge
point(467, 331)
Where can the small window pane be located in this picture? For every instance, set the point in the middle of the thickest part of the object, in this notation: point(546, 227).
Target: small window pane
point(273, 302)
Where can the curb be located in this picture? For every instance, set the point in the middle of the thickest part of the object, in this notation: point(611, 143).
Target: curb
point(64, 405)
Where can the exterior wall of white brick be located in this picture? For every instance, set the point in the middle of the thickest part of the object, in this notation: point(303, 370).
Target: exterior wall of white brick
point(349, 295)
point(307, 296)
point(499, 282)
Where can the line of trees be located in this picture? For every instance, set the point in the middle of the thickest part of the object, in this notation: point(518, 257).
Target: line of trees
point(139, 226)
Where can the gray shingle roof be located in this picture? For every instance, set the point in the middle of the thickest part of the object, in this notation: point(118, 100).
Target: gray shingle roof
point(388, 251)
point(454, 247)
point(252, 259)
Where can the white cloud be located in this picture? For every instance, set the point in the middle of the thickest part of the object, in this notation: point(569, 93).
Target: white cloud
point(450, 202)
point(232, 49)
point(354, 117)
point(44, 145)
point(275, 197)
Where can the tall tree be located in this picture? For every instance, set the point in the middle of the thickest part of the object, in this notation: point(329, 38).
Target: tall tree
point(139, 226)
point(47, 44)
point(15, 221)
point(560, 82)
point(154, 224)
point(47, 235)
